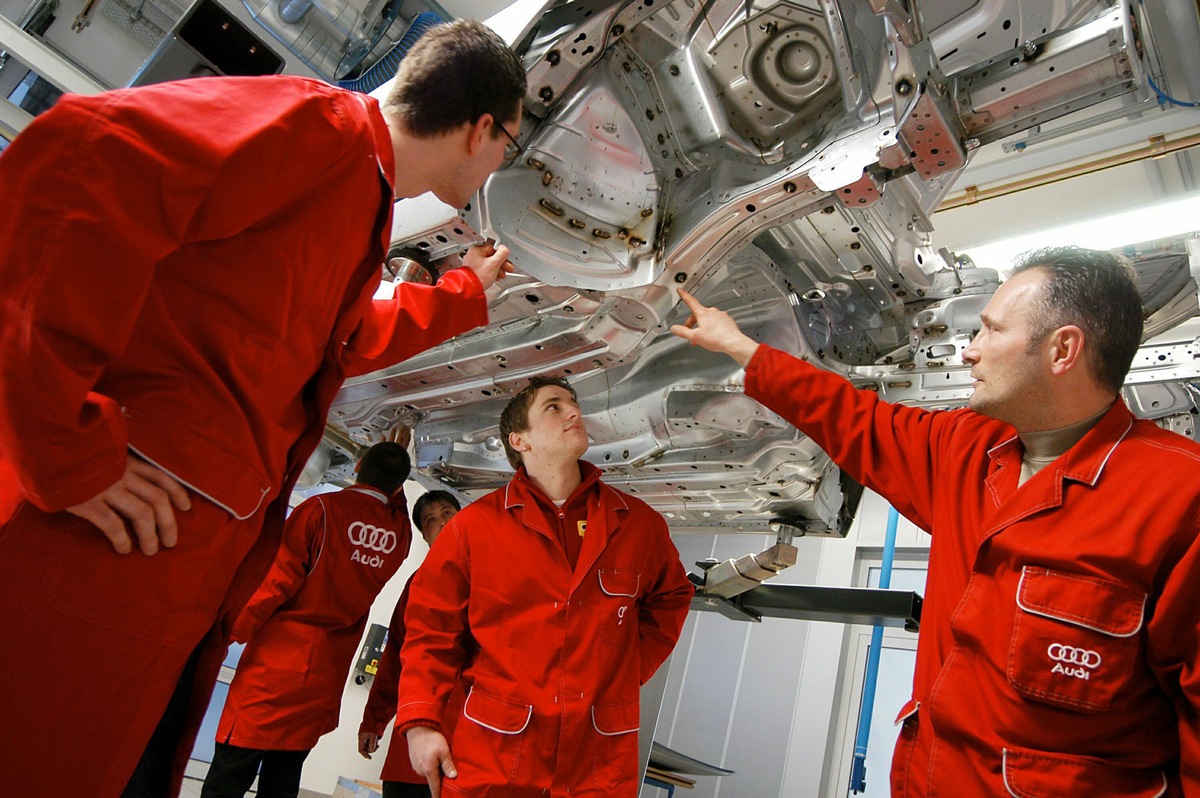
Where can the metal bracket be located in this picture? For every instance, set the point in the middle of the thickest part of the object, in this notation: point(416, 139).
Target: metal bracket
point(867, 606)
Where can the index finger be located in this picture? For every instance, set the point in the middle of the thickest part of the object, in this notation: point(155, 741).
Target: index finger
point(689, 300)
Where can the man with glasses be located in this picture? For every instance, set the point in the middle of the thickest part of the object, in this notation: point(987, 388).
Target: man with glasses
point(514, 149)
point(188, 272)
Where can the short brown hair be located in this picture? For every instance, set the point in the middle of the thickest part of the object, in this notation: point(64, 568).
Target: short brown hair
point(515, 417)
point(1097, 291)
point(456, 73)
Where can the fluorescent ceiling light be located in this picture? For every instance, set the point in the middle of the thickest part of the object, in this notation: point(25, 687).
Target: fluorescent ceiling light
point(1147, 223)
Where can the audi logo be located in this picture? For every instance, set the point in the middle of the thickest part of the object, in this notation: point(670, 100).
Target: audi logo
point(372, 538)
point(1070, 655)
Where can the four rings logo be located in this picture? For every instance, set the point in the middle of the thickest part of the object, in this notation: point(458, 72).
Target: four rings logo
point(371, 538)
point(1071, 661)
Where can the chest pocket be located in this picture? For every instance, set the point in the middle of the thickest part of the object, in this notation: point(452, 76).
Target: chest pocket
point(620, 582)
point(1075, 641)
point(618, 622)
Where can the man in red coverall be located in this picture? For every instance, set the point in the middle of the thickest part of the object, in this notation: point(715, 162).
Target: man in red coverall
point(1059, 644)
point(188, 272)
point(303, 625)
point(555, 599)
point(432, 511)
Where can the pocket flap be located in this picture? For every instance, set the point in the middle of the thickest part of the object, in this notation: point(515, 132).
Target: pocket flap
point(613, 719)
point(619, 581)
point(497, 714)
point(1032, 774)
point(1098, 604)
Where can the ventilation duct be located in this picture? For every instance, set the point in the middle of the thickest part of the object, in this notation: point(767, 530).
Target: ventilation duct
point(343, 40)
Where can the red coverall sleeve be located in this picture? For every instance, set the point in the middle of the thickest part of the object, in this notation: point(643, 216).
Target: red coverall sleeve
point(303, 537)
point(1173, 651)
point(385, 688)
point(664, 608)
point(97, 191)
point(437, 631)
point(416, 318)
point(890, 448)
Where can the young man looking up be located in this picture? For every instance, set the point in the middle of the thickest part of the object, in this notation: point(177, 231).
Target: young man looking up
point(188, 271)
point(555, 599)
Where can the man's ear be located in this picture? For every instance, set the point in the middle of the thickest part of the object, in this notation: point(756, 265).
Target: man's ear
point(479, 133)
point(1066, 348)
point(517, 442)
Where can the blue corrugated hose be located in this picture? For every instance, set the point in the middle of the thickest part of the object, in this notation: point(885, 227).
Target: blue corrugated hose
point(858, 768)
point(386, 67)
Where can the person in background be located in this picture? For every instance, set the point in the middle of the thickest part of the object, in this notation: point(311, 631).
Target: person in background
point(1059, 643)
point(554, 599)
point(432, 511)
point(188, 273)
point(303, 626)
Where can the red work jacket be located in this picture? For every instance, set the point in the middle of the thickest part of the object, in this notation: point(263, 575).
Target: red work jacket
point(1059, 651)
point(381, 702)
point(554, 657)
point(188, 272)
point(305, 622)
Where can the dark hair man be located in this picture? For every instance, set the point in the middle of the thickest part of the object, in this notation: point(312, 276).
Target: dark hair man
point(431, 513)
point(188, 272)
point(303, 625)
point(554, 599)
point(1058, 634)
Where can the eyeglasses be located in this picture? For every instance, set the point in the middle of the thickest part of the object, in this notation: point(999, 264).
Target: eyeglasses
point(513, 150)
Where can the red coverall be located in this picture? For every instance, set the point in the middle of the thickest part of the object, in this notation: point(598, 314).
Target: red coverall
point(1059, 639)
point(381, 702)
point(188, 271)
point(554, 658)
point(305, 622)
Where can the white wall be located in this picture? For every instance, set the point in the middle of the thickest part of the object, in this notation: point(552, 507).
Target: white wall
point(764, 699)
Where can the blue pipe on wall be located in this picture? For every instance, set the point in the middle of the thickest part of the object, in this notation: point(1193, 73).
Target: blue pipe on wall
point(858, 768)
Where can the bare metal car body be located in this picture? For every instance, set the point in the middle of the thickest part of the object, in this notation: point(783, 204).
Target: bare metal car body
point(781, 161)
